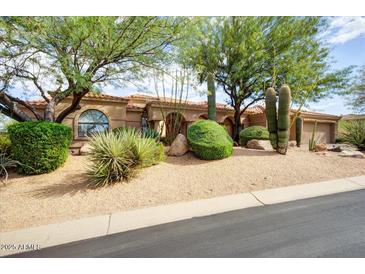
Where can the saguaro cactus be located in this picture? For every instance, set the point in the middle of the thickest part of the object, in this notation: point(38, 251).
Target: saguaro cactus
point(270, 101)
point(212, 113)
point(298, 130)
point(278, 121)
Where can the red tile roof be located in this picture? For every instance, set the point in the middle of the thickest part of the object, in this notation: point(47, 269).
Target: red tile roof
point(169, 100)
point(42, 102)
point(255, 110)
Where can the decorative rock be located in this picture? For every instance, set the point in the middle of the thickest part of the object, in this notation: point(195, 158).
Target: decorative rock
point(334, 148)
point(341, 147)
point(179, 146)
point(85, 149)
point(350, 153)
point(166, 149)
point(321, 147)
point(259, 144)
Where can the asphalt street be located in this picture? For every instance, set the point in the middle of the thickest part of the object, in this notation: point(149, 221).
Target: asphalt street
point(329, 226)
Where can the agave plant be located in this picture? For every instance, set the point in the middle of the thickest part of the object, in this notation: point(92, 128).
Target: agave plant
point(151, 133)
point(6, 162)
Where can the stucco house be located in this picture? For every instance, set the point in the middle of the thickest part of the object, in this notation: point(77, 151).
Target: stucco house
point(105, 112)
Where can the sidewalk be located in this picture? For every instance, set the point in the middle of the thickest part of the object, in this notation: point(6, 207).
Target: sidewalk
point(55, 234)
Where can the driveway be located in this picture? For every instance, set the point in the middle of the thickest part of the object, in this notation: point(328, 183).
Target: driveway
point(329, 226)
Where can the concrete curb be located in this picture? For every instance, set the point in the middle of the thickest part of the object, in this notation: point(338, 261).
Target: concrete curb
point(75, 230)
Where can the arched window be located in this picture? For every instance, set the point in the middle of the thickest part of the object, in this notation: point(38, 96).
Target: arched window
point(92, 121)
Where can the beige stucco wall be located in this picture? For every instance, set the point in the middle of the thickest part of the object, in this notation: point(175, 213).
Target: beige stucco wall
point(134, 118)
point(115, 111)
point(257, 120)
point(119, 114)
point(327, 126)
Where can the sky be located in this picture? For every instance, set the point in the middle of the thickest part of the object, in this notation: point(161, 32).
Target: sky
point(346, 36)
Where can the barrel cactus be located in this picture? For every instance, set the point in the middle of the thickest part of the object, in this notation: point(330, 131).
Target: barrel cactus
point(298, 130)
point(278, 120)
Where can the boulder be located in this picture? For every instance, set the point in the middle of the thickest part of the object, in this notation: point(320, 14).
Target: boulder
point(351, 153)
point(85, 149)
point(259, 144)
point(179, 146)
point(341, 147)
point(320, 147)
point(334, 148)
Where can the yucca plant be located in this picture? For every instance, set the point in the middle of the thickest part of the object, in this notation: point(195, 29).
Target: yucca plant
point(312, 141)
point(111, 159)
point(354, 133)
point(117, 156)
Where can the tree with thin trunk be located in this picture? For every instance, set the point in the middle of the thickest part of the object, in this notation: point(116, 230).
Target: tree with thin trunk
point(59, 57)
point(356, 92)
point(249, 54)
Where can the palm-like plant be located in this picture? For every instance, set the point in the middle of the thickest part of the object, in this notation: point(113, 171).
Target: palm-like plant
point(116, 157)
point(354, 133)
point(111, 159)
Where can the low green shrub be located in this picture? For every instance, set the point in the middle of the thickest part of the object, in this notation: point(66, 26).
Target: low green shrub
point(254, 132)
point(151, 133)
point(5, 144)
point(117, 157)
point(209, 140)
point(354, 133)
point(40, 146)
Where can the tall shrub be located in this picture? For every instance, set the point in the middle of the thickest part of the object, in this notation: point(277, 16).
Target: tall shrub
point(40, 146)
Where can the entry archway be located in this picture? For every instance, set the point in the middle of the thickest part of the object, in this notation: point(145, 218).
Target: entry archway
point(227, 122)
point(175, 124)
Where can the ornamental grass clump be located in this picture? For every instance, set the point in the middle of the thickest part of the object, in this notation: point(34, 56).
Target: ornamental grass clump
point(118, 157)
point(354, 133)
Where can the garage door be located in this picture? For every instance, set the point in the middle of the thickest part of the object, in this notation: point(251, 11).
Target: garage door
point(323, 134)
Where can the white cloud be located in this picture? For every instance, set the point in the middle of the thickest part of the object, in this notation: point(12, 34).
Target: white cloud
point(343, 29)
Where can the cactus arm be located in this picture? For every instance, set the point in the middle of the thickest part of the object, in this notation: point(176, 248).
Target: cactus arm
point(212, 112)
point(283, 119)
point(298, 130)
point(270, 102)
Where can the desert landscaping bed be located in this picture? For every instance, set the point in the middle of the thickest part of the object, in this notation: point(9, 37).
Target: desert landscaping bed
point(64, 194)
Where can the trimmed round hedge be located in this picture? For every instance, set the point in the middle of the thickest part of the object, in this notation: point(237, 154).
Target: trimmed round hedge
point(39, 146)
point(209, 140)
point(254, 132)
